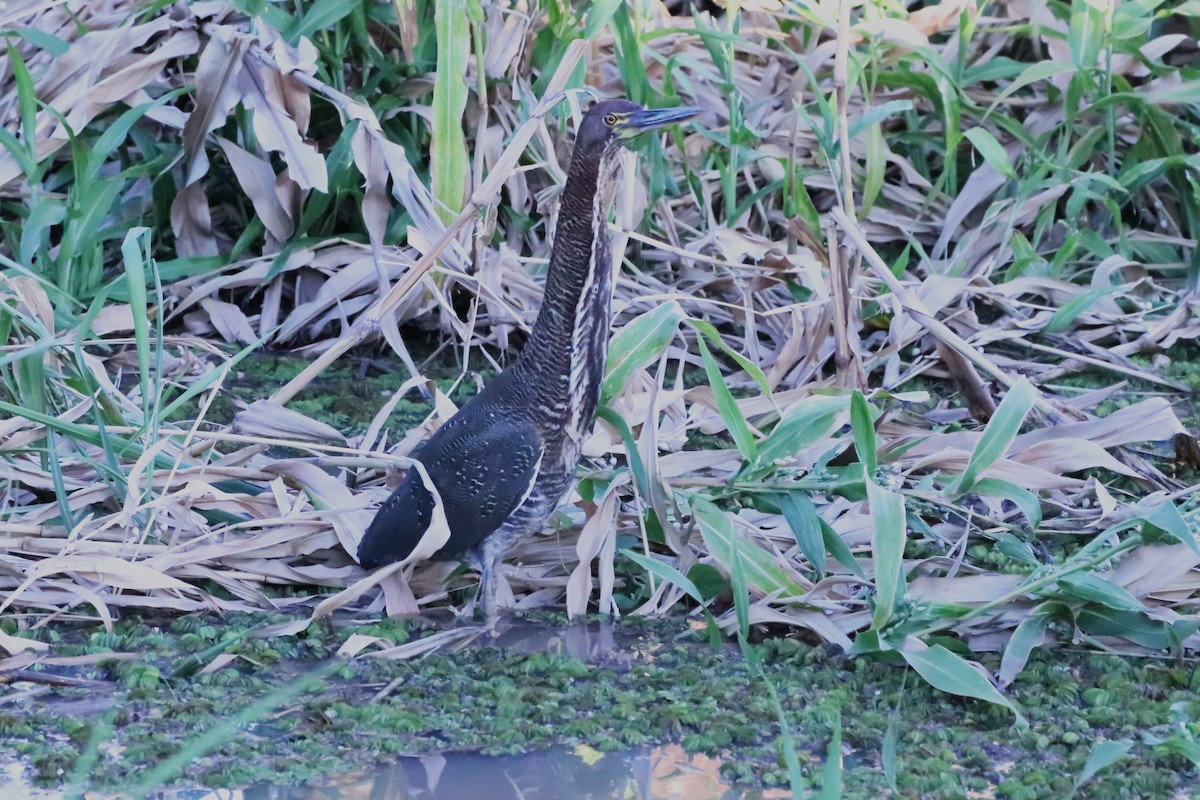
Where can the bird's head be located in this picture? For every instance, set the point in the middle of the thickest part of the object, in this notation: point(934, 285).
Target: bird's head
point(610, 124)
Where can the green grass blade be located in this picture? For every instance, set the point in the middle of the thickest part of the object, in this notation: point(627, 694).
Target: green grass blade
point(1028, 635)
point(891, 738)
point(876, 165)
point(714, 338)
point(1103, 755)
point(321, 15)
point(45, 212)
point(116, 132)
point(950, 673)
point(1164, 516)
point(26, 98)
point(639, 344)
point(1024, 499)
point(61, 496)
point(134, 251)
point(667, 573)
point(991, 151)
point(1066, 315)
point(676, 578)
point(803, 424)
point(831, 775)
point(1085, 34)
point(448, 156)
point(629, 54)
point(759, 567)
point(999, 434)
point(735, 421)
point(888, 536)
point(598, 15)
point(862, 424)
point(801, 516)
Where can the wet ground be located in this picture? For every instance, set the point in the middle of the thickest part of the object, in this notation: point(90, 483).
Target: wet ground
point(633, 710)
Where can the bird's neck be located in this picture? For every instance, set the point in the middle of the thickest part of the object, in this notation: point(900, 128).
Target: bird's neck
point(572, 325)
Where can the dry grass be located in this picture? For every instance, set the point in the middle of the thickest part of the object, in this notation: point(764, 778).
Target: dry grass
point(811, 240)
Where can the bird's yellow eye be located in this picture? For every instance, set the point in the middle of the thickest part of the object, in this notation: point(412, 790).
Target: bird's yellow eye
point(610, 119)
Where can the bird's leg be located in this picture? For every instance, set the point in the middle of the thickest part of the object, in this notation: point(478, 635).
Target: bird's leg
point(487, 591)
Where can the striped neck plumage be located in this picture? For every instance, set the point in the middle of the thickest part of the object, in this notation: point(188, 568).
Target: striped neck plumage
point(578, 293)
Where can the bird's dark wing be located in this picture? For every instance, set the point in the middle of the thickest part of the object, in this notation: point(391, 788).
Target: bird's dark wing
point(482, 464)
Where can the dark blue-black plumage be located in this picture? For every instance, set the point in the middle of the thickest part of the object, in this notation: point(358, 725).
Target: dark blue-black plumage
point(504, 461)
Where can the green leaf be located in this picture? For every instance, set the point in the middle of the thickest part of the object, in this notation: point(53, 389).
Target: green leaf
point(667, 573)
point(598, 16)
point(1098, 620)
point(710, 332)
point(95, 203)
point(992, 151)
point(839, 551)
point(1024, 499)
point(761, 569)
point(888, 529)
point(1085, 35)
point(1028, 635)
point(134, 251)
point(999, 434)
point(26, 97)
point(44, 41)
point(639, 344)
point(1181, 746)
point(448, 155)
point(735, 421)
point(641, 478)
point(831, 775)
point(947, 672)
point(27, 163)
point(804, 423)
point(45, 212)
point(1041, 71)
point(1103, 755)
point(1066, 315)
point(709, 580)
point(1164, 515)
point(321, 15)
point(877, 114)
point(629, 54)
point(862, 423)
point(876, 165)
point(1091, 588)
point(801, 516)
point(115, 132)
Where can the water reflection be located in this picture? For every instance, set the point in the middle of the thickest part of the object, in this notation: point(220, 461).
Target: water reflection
point(661, 773)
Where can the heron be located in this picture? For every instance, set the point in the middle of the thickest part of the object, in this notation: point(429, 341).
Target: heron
point(503, 463)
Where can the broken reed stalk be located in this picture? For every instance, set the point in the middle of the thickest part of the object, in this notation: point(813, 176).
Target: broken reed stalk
point(368, 323)
point(843, 266)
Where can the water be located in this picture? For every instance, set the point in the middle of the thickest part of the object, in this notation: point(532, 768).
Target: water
point(659, 773)
point(662, 773)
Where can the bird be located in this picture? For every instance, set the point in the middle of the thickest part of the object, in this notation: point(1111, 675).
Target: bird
point(503, 463)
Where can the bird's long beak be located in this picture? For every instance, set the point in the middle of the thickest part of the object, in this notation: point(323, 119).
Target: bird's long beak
point(650, 118)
